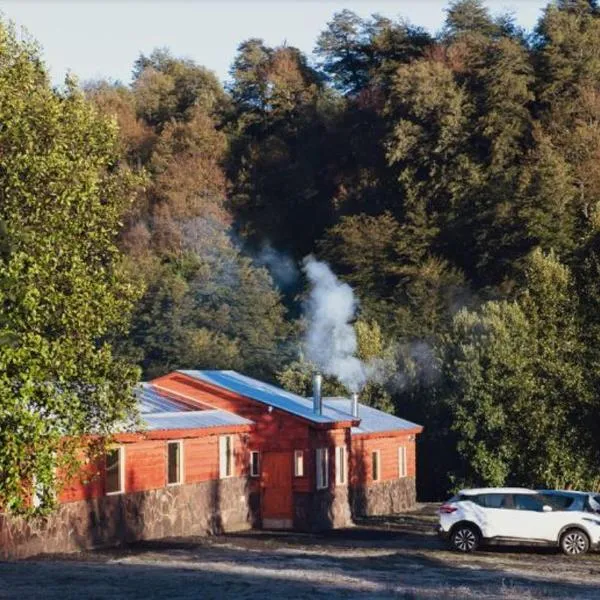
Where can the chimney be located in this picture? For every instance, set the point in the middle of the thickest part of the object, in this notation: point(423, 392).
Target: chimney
point(355, 405)
point(317, 400)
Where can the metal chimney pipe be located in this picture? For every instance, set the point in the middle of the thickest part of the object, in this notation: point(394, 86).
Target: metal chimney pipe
point(317, 400)
point(355, 405)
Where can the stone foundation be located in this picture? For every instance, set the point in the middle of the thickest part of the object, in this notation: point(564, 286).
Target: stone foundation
point(322, 510)
point(196, 509)
point(383, 498)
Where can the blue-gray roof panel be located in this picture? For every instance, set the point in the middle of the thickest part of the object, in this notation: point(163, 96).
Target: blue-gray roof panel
point(151, 400)
point(201, 419)
point(262, 392)
point(160, 411)
point(334, 409)
point(372, 420)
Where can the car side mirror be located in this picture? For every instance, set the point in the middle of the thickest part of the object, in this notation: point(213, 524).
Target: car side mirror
point(546, 508)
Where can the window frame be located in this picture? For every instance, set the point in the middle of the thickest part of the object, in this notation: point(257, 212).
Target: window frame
point(322, 468)
point(121, 453)
point(179, 444)
point(402, 462)
point(223, 474)
point(376, 453)
point(298, 454)
point(251, 465)
point(341, 465)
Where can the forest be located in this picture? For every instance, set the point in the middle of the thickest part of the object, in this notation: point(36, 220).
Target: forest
point(453, 181)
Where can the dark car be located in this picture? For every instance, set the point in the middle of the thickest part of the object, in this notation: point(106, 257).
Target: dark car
point(572, 500)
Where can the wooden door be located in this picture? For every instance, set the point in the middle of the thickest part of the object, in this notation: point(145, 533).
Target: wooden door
point(276, 482)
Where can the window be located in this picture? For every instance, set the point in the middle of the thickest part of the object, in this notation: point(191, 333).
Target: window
point(174, 463)
point(226, 456)
point(490, 500)
point(254, 464)
point(114, 471)
point(402, 461)
point(322, 461)
point(375, 465)
point(341, 468)
point(298, 463)
point(528, 502)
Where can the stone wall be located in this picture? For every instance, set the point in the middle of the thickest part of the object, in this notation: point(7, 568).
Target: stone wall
point(383, 498)
point(322, 510)
point(196, 509)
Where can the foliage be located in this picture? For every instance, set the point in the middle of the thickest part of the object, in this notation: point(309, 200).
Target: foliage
point(64, 289)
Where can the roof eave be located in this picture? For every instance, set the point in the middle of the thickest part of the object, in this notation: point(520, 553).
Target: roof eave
point(388, 433)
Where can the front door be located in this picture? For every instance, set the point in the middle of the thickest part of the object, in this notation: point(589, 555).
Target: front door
point(276, 483)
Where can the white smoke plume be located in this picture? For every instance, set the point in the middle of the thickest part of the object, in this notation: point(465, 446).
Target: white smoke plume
point(281, 266)
point(331, 340)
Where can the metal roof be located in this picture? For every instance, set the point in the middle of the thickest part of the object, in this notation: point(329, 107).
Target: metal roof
point(201, 419)
point(334, 409)
point(159, 410)
point(151, 400)
point(372, 420)
point(265, 393)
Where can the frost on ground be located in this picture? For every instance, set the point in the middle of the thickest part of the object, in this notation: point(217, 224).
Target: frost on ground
point(380, 558)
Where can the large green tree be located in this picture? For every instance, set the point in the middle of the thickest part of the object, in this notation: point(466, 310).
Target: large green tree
point(64, 289)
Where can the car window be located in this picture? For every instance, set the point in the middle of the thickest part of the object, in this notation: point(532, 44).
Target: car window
point(559, 502)
point(491, 500)
point(594, 502)
point(528, 502)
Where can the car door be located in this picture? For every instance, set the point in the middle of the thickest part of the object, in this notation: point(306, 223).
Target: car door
point(532, 522)
point(494, 514)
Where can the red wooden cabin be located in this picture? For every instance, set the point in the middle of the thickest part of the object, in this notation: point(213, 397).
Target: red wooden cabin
point(219, 451)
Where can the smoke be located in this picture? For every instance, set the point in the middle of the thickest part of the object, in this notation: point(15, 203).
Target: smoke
point(282, 267)
point(331, 340)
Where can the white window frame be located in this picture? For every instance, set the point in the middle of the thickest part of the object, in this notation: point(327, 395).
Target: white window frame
point(223, 474)
point(341, 465)
point(402, 462)
point(378, 478)
point(121, 490)
point(298, 463)
point(179, 444)
point(254, 473)
point(322, 468)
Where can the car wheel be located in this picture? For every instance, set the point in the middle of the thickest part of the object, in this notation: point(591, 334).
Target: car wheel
point(573, 542)
point(465, 538)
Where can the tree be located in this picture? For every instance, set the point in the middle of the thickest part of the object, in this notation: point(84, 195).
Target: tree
point(172, 88)
point(63, 286)
point(519, 391)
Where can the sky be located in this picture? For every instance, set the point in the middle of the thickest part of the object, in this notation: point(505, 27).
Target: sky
point(101, 40)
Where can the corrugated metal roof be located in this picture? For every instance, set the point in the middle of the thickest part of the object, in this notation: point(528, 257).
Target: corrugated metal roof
point(334, 409)
point(201, 419)
point(372, 420)
point(265, 393)
point(162, 411)
point(151, 400)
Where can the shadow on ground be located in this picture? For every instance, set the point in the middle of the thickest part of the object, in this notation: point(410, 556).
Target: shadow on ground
point(380, 558)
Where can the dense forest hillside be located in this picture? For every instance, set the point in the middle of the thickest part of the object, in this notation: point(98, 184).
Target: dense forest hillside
point(453, 181)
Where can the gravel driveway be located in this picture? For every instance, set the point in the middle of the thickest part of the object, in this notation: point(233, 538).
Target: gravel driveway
point(380, 558)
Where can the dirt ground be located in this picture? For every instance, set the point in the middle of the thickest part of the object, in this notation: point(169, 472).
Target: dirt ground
point(396, 557)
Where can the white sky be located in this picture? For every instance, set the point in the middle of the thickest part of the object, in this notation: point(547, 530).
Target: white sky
point(102, 39)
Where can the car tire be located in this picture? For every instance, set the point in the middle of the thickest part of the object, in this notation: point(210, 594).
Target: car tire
point(465, 538)
point(574, 542)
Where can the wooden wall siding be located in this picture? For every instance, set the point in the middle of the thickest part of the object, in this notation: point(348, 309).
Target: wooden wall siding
point(362, 449)
point(146, 466)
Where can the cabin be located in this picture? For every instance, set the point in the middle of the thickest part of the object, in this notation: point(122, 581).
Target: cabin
point(219, 451)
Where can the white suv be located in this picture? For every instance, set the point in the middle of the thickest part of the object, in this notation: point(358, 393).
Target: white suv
point(515, 516)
